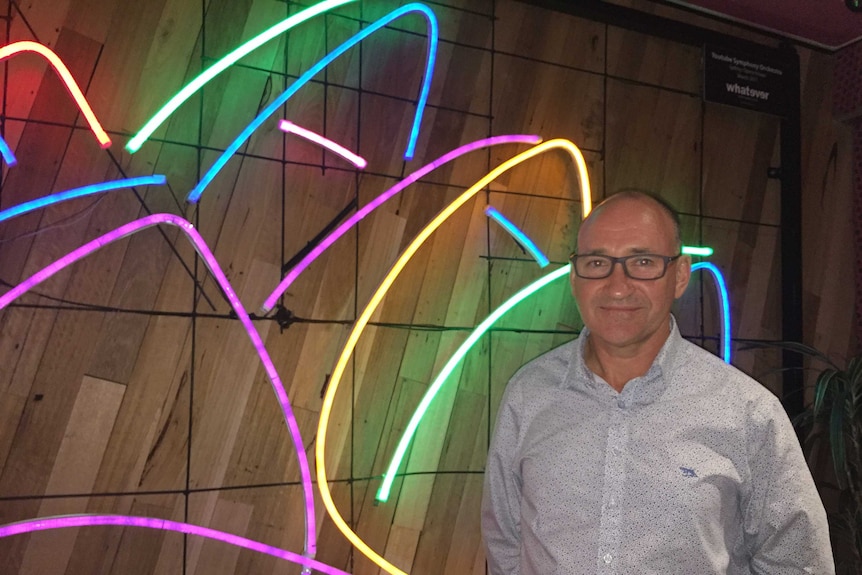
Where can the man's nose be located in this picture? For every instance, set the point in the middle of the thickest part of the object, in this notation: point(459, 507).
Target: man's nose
point(618, 281)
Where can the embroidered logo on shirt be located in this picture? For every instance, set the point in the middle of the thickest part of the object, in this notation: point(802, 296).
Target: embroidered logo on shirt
point(688, 472)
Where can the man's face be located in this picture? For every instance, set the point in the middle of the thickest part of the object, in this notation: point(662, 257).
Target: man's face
point(624, 313)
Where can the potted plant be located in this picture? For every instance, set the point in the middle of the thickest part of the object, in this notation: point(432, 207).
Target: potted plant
point(831, 426)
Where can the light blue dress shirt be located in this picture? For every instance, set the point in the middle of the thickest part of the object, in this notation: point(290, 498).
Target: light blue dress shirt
point(692, 469)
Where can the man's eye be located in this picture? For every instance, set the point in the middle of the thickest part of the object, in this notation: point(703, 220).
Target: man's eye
point(597, 262)
point(645, 261)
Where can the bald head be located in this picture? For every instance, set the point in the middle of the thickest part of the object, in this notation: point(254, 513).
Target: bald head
point(666, 216)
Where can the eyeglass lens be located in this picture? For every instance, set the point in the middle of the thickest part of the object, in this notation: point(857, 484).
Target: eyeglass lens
point(638, 266)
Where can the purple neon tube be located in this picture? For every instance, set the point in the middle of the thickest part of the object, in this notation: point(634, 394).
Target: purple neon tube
point(374, 204)
point(62, 522)
point(211, 263)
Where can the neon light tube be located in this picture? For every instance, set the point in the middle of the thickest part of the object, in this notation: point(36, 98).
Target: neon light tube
point(296, 270)
point(519, 236)
point(725, 306)
point(6, 152)
point(195, 194)
point(292, 128)
point(229, 293)
point(437, 384)
point(697, 251)
point(230, 59)
point(62, 71)
point(365, 316)
point(66, 521)
point(80, 192)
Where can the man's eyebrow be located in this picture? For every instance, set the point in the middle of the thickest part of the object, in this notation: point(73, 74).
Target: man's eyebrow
point(604, 252)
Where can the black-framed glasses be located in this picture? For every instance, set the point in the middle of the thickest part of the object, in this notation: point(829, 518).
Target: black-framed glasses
point(636, 266)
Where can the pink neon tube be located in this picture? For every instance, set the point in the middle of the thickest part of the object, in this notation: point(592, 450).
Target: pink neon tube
point(334, 147)
point(296, 270)
point(211, 263)
point(62, 522)
point(66, 77)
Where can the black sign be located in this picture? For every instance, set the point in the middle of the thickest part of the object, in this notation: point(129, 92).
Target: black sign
point(753, 81)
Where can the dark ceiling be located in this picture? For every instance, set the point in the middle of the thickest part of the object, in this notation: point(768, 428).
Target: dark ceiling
point(828, 24)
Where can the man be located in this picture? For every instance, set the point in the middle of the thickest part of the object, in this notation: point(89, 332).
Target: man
point(631, 450)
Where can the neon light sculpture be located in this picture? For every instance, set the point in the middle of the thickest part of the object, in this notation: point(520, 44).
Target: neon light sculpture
point(434, 388)
point(229, 293)
point(721, 286)
point(365, 316)
point(66, 77)
point(6, 152)
point(195, 194)
point(697, 251)
point(519, 236)
point(291, 128)
point(296, 270)
point(227, 61)
point(62, 522)
point(80, 192)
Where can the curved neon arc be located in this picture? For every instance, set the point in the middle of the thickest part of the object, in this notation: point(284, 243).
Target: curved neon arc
point(324, 244)
point(721, 286)
point(66, 521)
point(702, 251)
point(365, 316)
point(227, 61)
point(518, 235)
point(69, 81)
point(212, 264)
point(334, 147)
point(401, 451)
point(51, 199)
point(7, 153)
point(258, 121)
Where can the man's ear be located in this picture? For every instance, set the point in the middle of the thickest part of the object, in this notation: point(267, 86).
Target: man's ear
point(683, 274)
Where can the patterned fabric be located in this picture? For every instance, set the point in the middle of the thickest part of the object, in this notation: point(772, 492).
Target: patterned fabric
point(693, 468)
point(847, 103)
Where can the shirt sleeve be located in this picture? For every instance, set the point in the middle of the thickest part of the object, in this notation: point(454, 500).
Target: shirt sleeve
point(501, 498)
point(785, 524)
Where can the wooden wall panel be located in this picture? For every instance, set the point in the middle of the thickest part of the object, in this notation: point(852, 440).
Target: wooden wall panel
point(188, 427)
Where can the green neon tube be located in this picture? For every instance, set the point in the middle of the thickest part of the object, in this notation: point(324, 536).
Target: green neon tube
point(152, 125)
point(697, 251)
point(410, 430)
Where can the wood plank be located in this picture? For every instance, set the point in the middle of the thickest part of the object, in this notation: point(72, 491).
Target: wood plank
point(215, 556)
point(74, 472)
point(11, 408)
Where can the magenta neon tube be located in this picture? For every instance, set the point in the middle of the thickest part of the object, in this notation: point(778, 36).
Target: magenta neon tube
point(211, 263)
point(376, 202)
point(66, 521)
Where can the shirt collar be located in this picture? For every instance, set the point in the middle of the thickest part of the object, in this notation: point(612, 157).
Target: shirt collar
point(644, 389)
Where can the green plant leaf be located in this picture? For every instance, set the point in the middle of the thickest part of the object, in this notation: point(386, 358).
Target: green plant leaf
point(823, 391)
point(836, 436)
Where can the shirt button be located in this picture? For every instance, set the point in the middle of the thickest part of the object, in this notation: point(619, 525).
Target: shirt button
point(612, 503)
point(608, 558)
point(621, 403)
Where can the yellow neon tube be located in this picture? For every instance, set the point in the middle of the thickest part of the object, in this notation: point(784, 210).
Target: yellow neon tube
point(365, 317)
point(66, 77)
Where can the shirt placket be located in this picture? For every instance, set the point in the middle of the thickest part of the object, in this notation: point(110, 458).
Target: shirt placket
point(612, 492)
